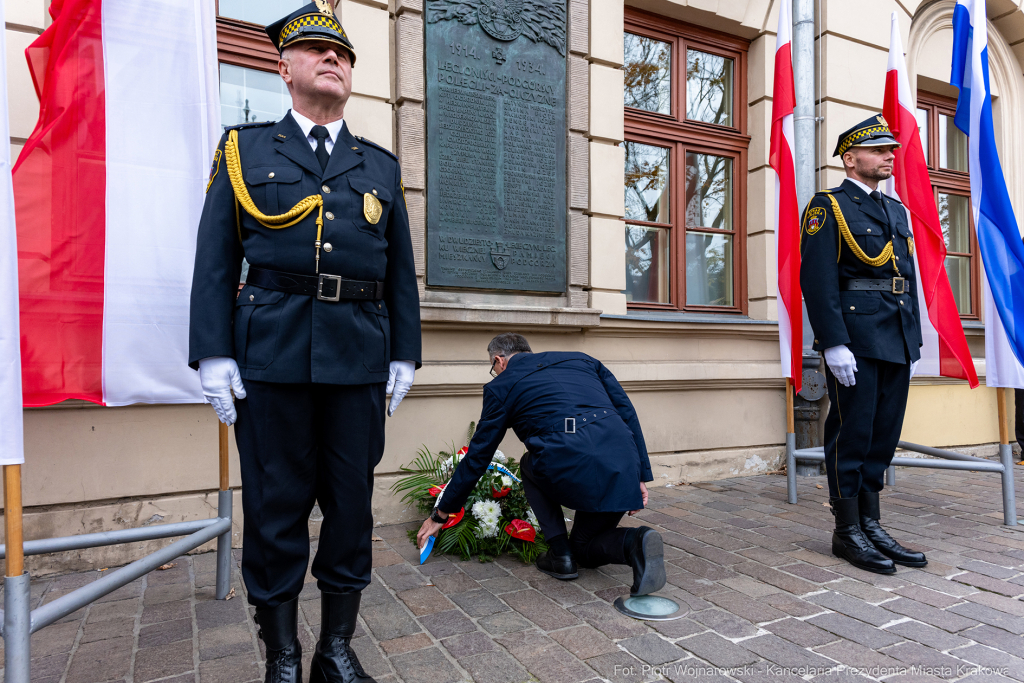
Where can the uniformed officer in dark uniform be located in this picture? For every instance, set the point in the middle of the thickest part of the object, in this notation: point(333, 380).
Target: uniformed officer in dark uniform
point(586, 451)
point(858, 279)
point(329, 315)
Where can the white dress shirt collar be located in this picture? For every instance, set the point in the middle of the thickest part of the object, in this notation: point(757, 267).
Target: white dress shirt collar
point(333, 128)
point(861, 185)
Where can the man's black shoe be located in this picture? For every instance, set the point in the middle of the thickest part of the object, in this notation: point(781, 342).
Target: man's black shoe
point(279, 630)
point(645, 552)
point(334, 661)
point(870, 514)
point(849, 542)
point(559, 566)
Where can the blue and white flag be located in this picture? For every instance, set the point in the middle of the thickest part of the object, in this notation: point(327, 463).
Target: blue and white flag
point(11, 430)
point(1002, 250)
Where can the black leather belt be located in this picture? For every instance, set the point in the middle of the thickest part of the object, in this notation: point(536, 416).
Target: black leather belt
point(896, 285)
point(324, 287)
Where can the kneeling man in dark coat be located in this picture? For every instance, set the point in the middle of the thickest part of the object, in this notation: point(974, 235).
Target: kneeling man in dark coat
point(585, 450)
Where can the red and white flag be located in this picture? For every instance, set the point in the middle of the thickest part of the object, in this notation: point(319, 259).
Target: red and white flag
point(11, 430)
point(945, 350)
point(787, 212)
point(109, 189)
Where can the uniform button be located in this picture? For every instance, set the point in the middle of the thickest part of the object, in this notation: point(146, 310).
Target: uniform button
point(897, 258)
point(901, 303)
point(853, 308)
point(375, 192)
point(815, 341)
point(271, 175)
point(252, 297)
point(330, 216)
point(869, 229)
point(326, 189)
point(328, 246)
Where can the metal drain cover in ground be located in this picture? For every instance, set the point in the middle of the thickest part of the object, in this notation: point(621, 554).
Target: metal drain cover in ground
point(650, 608)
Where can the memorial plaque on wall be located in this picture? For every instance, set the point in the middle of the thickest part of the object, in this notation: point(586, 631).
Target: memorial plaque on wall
point(496, 134)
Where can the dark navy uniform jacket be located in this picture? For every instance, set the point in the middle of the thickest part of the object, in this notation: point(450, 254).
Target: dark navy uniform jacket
point(291, 338)
point(597, 469)
point(874, 324)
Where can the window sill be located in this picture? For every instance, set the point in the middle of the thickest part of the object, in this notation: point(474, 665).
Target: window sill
point(689, 317)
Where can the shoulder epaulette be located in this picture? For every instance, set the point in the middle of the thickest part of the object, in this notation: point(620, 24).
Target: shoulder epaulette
point(371, 143)
point(253, 124)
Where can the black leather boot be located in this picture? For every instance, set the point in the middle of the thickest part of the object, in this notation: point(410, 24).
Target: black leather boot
point(645, 552)
point(880, 538)
point(559, 566)
point(279, 630)
point(849, 542)
point(334, 661)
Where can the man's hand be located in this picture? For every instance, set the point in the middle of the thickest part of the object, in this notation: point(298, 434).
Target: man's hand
point(429, 528)
point(219, 376)
point(399, 382)
point(643, 495)
point(842, 363)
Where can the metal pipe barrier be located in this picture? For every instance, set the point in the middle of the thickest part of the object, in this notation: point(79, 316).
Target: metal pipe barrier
point(944, 460)
point(104, 538)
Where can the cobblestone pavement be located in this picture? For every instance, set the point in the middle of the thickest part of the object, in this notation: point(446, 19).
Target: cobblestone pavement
point(768, 603)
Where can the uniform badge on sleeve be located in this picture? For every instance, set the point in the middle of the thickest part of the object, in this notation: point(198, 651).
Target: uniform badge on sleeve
point(371, 208)
point(815, 219)
point(215, 168)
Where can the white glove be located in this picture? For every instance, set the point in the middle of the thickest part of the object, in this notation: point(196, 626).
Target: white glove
point(913, 368)
point(399, 382)
point(219, 375)
point(842, 364)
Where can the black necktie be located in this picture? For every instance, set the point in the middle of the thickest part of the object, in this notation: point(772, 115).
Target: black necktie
point(322, 155)
point(877, 196)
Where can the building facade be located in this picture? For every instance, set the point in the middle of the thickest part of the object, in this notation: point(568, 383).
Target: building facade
point(669, 245)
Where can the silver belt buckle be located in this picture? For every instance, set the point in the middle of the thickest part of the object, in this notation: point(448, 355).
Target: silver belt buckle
point(570, 425)
point(902, 283)
point(333, 285)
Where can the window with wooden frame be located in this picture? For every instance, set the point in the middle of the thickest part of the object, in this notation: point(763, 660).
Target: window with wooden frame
point(686, 166)
point(945, 149)
point(250, 87)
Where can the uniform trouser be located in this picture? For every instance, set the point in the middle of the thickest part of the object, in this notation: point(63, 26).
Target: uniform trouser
point(301, 444)
point(863, 426)
point(1018, 403)
point(596, 539)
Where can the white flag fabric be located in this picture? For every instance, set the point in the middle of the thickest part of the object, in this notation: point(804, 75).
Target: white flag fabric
point(11, 425)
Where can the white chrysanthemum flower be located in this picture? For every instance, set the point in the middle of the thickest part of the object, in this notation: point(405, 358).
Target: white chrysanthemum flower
point(487, 511)
point(500, 457)
point(487, 530)
point(532, 518)
point(506, 482)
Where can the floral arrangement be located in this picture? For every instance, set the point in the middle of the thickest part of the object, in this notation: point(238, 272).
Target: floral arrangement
point(497, 517)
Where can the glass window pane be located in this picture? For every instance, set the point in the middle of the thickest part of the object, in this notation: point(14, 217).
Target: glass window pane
point(249, 95)
point(648, 74)
point(647, 183)
point(647, 264)
point(708, 191)
point(922, 128)
point(955, 217)
point(708, 88)
point(261, 12)
point(952, 145)
point(709, 275)
point(958, 268)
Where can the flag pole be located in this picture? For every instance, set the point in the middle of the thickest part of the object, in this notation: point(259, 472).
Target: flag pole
point(17, 651)
point(790, 444)
point(1006, 458)
point(224, 512)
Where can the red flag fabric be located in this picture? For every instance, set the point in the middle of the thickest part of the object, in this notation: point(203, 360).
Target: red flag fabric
point(912, 185)
point(787, 211)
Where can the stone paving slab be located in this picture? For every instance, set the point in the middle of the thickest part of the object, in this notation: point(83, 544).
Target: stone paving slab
point(768, 603)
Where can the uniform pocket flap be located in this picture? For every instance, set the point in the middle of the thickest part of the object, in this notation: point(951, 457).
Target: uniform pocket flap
point(367, 186)
point(864, 303)
point(866, 228)
point(273, 174)
point(257, 296)
point(375, 307)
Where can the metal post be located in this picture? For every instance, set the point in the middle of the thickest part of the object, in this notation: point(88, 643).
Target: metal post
point(1006, 457)
point(803, 112)
point(17, 628)
point(224, 512)
point(890, 476)
point(17, 634)
point(790, 444)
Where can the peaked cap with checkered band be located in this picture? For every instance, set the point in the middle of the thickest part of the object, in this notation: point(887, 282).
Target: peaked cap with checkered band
point(315, 21)
point(873, 132)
